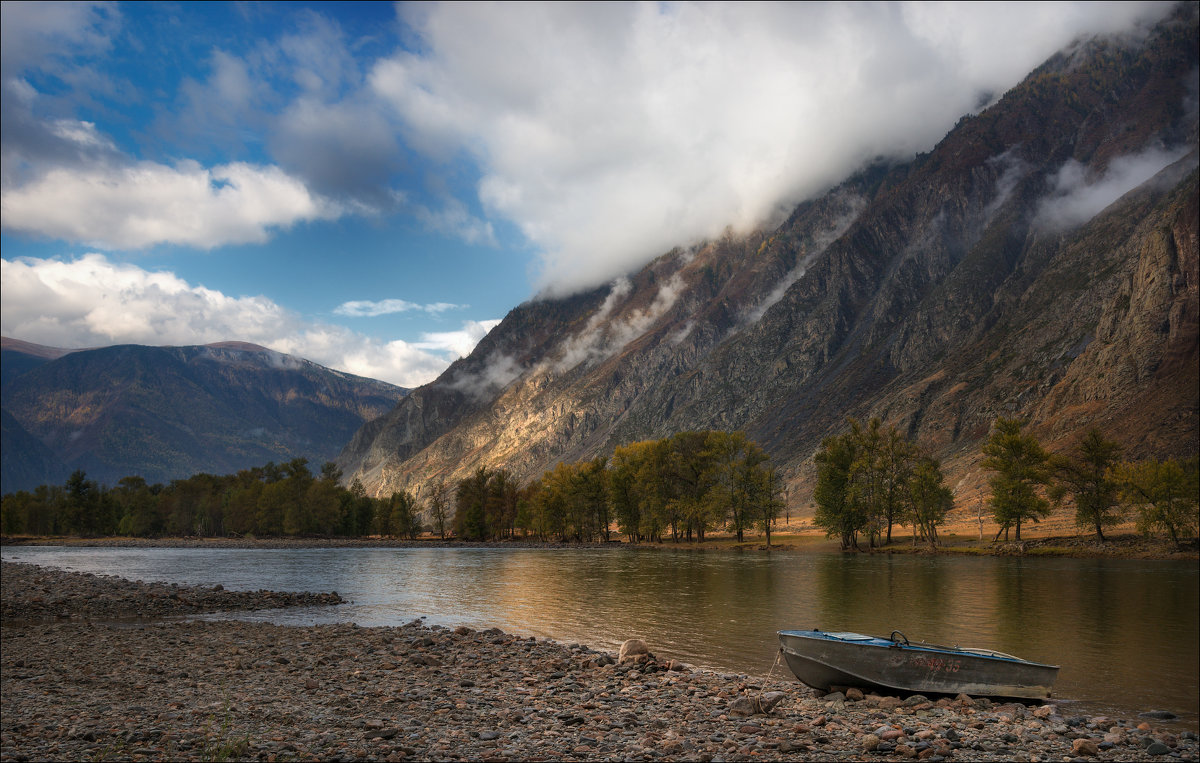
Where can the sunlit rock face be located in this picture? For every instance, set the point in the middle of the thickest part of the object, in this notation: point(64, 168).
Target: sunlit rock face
point(1040, 262)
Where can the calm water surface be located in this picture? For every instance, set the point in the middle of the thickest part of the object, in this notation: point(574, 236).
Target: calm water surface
point(1126, 632)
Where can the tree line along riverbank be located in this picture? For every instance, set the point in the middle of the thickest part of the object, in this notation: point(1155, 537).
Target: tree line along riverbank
point(711, 489)
point(81, 688)
point(1125, 545)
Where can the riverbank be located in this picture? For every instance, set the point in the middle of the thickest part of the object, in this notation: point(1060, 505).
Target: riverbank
point(1115, 546)
point(148, 690)
point(38, 593)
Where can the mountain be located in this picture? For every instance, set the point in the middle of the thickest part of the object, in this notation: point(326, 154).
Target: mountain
point(170, 412)
point(1040, 262)
point(17, 357)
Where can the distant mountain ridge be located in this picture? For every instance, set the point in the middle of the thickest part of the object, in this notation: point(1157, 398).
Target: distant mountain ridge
point(170, 412)
point(938, 294)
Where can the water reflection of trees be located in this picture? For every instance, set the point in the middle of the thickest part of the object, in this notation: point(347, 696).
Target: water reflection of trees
point(879, 594)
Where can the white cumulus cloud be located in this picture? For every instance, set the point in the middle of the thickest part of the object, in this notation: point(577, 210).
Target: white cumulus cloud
point(371, 309)
point(609, 133)
point(459, 342)
point(91, 301)
point(149, 203)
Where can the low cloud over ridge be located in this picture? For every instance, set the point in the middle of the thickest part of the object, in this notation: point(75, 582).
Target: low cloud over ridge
point(1076, 198)
point(609, 134)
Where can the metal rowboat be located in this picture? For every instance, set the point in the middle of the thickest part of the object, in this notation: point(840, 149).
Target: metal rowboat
point(823, 660)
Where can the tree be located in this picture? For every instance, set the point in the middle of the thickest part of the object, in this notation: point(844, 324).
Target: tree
point(331, 472)
point(82, 504)
point(241, 505)
point(273, 501)
point(322, 506)
point(14, 511)
point(686, 479)
point(138, 507)
point(639, 490)
point(1165, 495)
point(439, 501)
point(593, 493)
point(401, 515)
point(764, 498)
point(929, 500)
point(296, 518)
point(362, 507)
point(1021, 466)
point(1088, 477)
point(895, 466)
point(865, 489)
point(734, 472)
point(623, 493)
point(500, 507)
point(837, 513)
point(471, 496)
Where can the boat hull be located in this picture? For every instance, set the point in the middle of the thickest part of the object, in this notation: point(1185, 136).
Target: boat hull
point(824, 660)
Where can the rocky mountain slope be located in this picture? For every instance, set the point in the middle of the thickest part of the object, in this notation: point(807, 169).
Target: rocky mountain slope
point(170, 412)
point(1040, 262)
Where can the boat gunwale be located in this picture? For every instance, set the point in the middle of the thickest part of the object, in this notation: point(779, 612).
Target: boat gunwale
point(874, 641)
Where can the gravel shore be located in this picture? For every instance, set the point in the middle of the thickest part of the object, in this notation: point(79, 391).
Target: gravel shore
point(78, 688)
point(38, 593)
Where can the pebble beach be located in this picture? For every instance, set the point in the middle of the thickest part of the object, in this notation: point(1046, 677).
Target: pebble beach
point(101, 668)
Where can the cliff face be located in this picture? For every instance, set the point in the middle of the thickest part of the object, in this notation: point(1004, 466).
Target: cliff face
point(1040, 262)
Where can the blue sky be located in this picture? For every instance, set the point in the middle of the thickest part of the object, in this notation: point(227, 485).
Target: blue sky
point(373, 186)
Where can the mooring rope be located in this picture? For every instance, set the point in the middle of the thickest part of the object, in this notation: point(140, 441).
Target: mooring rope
point(767, 680)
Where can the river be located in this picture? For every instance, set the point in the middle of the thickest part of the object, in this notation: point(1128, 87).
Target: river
point(1126, 632)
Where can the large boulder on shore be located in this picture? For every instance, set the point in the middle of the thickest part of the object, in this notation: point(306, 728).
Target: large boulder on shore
point(632, 650)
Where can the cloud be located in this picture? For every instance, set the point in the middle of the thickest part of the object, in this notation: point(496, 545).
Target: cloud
point(460, 342)
point(453, 219)
point(847, 207)
point(610, 133)
point(608, 331)
point(369, 309)
point(346, 148)
point(64, 178)
point(149, 203)
point(605, 133)
point(51, 39)
point(1076, 196)
point(498, 372)
point(92, 301)
point(36, 34)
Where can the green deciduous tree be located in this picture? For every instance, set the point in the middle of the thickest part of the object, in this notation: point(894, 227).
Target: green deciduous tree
point(764, 498)
point(929, 500)
point(398, 516)
point(1164, 494)
point(137, 506)
point(1021, 469)
point(837, 512)
point(322, 507)
point(1087, 475)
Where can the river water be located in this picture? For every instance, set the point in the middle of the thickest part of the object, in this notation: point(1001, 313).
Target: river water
point(1126, 632)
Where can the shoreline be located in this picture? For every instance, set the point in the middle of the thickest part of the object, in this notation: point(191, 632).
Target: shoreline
point(1123, 546)
point(213, 689)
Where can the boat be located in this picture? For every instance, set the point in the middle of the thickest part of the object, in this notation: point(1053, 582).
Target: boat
point(824, 660)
